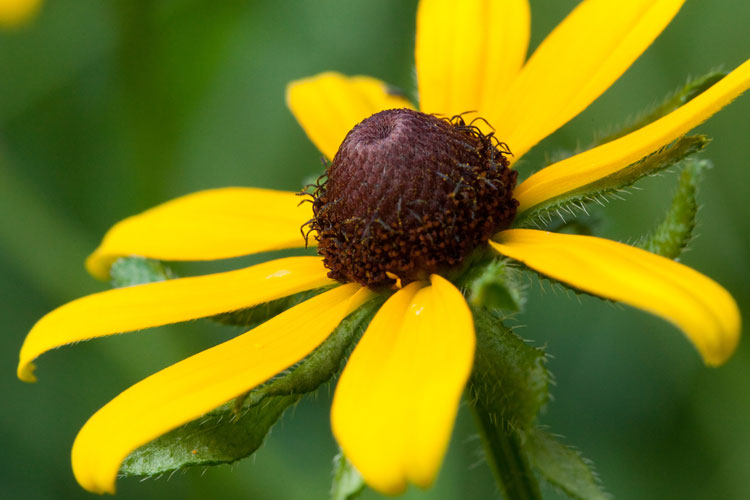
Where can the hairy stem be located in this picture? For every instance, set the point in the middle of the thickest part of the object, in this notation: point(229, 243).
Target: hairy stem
point(506, 457)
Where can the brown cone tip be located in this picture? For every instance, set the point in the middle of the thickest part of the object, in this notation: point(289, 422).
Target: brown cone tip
point(410, 194)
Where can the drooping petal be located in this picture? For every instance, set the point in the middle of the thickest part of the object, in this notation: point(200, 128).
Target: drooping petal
point(329, 105)
point(196, 385)
point(592, 165)
point(700, 307)
point(207, 225)
point(397, 398)
point(468, 52)
point(575, 64)
point(154, 304)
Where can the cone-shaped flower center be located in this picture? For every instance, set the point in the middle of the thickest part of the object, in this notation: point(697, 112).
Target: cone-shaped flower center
point(409, 194)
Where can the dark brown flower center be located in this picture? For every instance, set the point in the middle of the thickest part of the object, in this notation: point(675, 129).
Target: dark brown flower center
point(409, 194)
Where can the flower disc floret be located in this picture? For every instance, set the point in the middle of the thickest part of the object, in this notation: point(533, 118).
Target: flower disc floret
point(409, 194)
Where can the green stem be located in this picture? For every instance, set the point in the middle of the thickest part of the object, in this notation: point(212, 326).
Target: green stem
point(506, 457)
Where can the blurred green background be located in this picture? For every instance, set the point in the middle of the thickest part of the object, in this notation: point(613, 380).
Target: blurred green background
point(109, 107)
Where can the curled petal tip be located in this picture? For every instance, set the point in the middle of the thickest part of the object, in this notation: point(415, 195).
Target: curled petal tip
point(25, 372)
point(98, 266)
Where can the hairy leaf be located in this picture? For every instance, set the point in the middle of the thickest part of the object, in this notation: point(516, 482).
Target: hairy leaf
point(674, 232)
point(563, 467)
point(609, 185)
point(347, 482)
point(509, 377)
point(129, 271)
point(236, 429)
point(692, 89)
point(254, 316)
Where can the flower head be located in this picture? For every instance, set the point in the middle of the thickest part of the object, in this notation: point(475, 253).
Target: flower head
point(396, 400)
point(408, 195)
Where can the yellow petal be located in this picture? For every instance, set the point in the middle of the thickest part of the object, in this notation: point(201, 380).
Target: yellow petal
point(575, 64)
point(330, 104)
point(153, 304)
point(207, 225)
point(607, 159)
point(701, 308)
point(16, 12)
point(394, 407)
point(190, 388)
point(468, 52)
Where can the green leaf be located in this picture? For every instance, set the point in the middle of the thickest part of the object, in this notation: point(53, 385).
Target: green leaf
point(347, 482)
point(236, 429)
point(508, 387)
point(692, 89)
point(674, 232)
point(509, 375)
point(563, 467)
point(254, 316)
point(609, 185)
point(220, 436)
point(129, 271)
point(493, 284)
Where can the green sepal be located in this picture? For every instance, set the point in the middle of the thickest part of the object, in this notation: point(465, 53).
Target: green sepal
point(254, 316)
point(492, 283)
point(563, 466)
point(236, 429)
point(129, 271)
point(347, 481)
point(509, 376)
point(675, 231)
point(600, 189)
point(693, 88)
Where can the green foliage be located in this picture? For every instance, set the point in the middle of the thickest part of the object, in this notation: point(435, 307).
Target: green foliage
point(492, 284)
point(595, 191)
point(563, 466)
point(220, 436)
point(253, 316)
point(509, 376)
point(347, 482)
point(236, 429)
point(509, 386)
point(674, 232)
point(692, 89)
point(129, 271)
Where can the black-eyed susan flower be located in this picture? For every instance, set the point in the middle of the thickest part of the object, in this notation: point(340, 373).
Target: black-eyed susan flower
point(407, 197)
point(16, 12)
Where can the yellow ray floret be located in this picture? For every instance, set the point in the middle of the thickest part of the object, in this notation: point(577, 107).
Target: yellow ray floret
point(329, 105)
point(700, 307)
point(196, 385)
point(468, 52)
point(154, 304)
point(207, 225)
point(395, 404)
point(575, 64)
point(594, 164)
